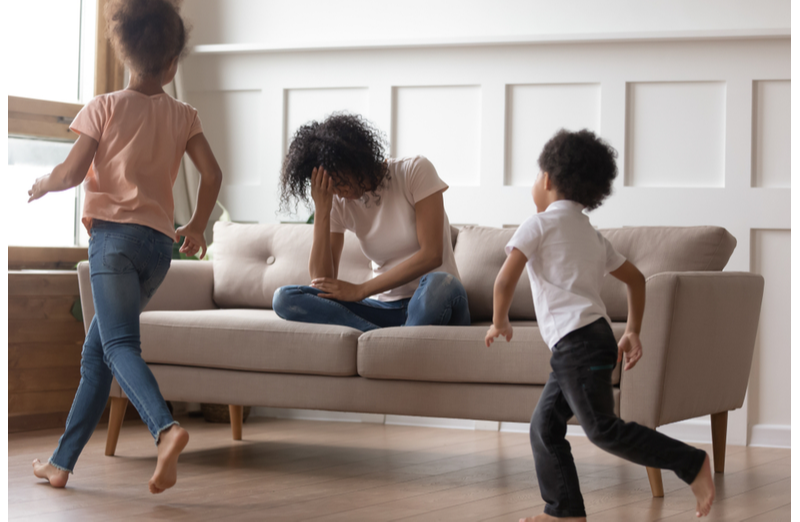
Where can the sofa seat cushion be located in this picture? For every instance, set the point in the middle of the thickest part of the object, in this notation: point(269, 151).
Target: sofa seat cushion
point(458, 354)
point(247, 339)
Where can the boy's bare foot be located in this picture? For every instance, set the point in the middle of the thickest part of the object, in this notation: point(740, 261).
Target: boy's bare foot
point(172, 442)
point(703, 489)
point(56, 477)
point(547, 518)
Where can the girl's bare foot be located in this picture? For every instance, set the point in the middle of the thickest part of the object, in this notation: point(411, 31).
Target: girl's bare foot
point(703, 489)
point(172, 442)
point(56, 477)
point(547, 518)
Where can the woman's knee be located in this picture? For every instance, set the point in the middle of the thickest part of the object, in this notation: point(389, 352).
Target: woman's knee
point(286, 302)
point(442, 285)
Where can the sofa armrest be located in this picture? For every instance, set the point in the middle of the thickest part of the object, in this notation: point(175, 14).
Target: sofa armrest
point(189, 285)
point(698, 336)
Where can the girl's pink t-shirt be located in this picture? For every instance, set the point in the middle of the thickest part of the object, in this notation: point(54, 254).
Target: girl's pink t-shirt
point(141, 140)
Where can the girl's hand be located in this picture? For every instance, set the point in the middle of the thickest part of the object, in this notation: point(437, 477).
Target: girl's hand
point(39, 188)
point(321, 191)
point(337, 289)
point(631, 346)
point(496, 331)
point(194, 241)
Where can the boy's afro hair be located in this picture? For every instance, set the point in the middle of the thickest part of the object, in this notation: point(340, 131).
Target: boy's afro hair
point(581, 166)
point(147, 34)
point(343, 144)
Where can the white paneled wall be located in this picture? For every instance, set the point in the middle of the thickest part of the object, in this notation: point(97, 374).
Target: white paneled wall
point(535, 113)
point(305, 105)
point(442, 123)
point(772, 136)
point(771, 373)
point(676, 134)
point(701, 126)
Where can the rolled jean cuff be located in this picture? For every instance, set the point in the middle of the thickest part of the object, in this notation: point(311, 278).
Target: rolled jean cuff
point(165, 428)
point(59, 467)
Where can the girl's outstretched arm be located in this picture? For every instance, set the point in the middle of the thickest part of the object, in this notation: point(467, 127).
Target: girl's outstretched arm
point(504, 286)
point(69, 174)
point(210, 182)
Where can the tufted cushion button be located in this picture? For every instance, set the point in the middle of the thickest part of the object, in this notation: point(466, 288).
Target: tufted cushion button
point(270, 260)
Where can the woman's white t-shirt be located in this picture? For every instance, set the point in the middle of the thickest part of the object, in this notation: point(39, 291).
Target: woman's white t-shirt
point(387, 228)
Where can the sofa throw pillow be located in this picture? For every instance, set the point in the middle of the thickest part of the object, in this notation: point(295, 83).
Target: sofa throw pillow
point(252, 261)
point(479, 255)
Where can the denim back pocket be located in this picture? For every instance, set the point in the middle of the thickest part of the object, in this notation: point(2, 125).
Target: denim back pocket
point(155, 277)
point(121, 251)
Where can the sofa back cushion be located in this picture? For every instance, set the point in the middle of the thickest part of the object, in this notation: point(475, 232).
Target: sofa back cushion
point(480, 253)
point(664, 249)
point(252, 261)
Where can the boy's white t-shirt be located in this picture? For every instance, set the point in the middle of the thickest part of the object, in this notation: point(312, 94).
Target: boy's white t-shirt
point(567, 261)
point(387, 229)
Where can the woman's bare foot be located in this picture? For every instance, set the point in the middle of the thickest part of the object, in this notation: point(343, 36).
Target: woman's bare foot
point(172, 442)
point(56, 477)
point(547, 518)
point(703, 489)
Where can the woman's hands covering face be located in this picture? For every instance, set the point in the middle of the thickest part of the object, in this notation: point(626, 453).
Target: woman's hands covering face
point(321, 191)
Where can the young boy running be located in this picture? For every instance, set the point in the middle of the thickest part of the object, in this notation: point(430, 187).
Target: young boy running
point(567, 259)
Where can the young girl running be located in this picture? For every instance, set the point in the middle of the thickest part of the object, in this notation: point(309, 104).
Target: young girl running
point(129, 149)
point(566, 260)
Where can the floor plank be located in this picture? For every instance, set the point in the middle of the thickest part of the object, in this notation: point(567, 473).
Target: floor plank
point(329, 471)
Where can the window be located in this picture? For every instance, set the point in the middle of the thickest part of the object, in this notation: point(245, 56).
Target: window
point(54, 63)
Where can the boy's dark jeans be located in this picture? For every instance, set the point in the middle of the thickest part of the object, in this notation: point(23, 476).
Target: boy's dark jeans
point(580, 383)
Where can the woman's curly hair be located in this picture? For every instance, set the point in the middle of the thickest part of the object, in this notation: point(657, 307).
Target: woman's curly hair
point(345, 145)
point(147, 34)
point(581, 166)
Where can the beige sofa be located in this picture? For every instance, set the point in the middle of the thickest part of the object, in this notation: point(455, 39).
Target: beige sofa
point(209, 335)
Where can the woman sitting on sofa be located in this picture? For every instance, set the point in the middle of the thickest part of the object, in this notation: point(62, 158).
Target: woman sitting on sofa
point(394, 207)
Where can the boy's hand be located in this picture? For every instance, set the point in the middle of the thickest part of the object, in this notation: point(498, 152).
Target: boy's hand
point(194, 240)
point(496, 331)
point(39, 188)
point(631, 346)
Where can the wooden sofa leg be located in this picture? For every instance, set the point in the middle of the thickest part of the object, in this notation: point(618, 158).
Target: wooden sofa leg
point(719, 436)
point(656, 485)
point(236, 421)
point(115, 418)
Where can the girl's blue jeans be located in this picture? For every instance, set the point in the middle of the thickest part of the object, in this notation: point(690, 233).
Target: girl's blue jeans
point(440, 299)
point(127, 263)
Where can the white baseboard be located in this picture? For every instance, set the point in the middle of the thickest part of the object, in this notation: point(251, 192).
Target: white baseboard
point(771, 435)
point(317, 415)
point(430, 422)
point(696, 431)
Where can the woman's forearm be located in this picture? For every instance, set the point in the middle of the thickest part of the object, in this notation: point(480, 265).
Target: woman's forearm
point(415, 266)
point(320, 262)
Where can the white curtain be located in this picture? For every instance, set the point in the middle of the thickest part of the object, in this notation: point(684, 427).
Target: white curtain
point(184, 192)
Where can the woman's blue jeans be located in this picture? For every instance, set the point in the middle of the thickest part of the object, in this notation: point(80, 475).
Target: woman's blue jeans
point(127, 263)
point(440, 299)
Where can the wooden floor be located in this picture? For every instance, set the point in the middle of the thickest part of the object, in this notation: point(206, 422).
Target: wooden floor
point(326, 471)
